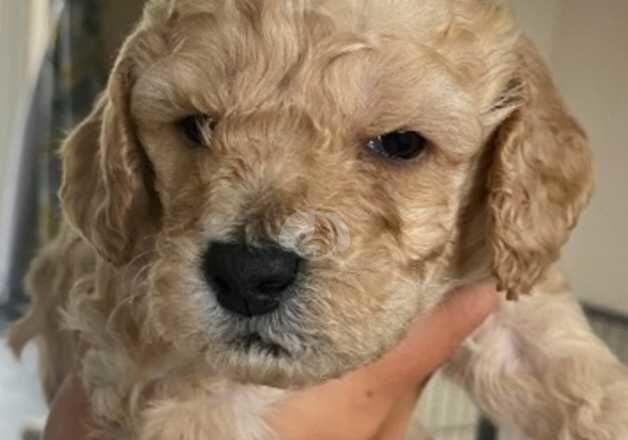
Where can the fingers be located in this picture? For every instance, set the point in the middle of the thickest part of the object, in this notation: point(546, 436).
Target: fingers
point(461, 313)
point(364, 398)
point(69, 413)
point(431, 339)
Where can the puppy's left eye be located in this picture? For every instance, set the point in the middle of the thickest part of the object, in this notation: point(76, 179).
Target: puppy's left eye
point(194, 128)
point(403, 145)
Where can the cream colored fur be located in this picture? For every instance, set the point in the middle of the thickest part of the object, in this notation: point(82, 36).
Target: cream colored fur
point(296, 88)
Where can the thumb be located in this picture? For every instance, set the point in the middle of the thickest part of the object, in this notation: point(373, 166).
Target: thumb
point(432, 338)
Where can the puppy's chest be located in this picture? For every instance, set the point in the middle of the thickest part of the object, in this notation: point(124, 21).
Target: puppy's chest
point(130, 405)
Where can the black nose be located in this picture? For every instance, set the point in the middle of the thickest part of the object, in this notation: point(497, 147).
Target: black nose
point(250, 281)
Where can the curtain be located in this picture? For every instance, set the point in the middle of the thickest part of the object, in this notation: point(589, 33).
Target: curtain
point(71, 76)
point(77, 77)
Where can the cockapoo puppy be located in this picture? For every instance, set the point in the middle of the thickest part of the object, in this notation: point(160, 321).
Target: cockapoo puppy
point(270, 190)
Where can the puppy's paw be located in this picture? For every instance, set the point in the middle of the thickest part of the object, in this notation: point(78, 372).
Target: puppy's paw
point(416, 431)
point(604, 415)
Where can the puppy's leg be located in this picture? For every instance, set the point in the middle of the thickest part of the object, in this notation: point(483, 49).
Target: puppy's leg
point(418, 432)
point(536, 364)
point(50, 280)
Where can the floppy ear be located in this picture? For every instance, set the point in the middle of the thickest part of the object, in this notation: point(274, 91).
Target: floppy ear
point(540, 180)
point(106, 189)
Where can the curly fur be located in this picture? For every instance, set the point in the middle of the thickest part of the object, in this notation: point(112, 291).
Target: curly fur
point(296, 87)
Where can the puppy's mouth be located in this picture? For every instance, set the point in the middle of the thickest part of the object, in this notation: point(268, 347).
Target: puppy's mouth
point(254, 343)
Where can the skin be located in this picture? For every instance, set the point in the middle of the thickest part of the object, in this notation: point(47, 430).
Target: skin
point(372, 403)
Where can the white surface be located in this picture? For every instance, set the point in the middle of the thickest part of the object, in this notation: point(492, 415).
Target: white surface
point(20, 395)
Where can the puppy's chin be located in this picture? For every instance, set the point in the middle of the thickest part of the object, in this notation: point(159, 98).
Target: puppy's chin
point(303, 344)
point(271, 366)
point(255, 359)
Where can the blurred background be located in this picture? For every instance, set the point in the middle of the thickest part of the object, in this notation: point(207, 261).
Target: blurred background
point(54, 58)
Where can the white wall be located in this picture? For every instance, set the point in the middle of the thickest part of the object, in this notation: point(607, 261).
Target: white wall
point(586, 43)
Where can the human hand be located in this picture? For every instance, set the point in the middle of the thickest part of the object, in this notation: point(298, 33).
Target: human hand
point(371, 403)
point(377, 401)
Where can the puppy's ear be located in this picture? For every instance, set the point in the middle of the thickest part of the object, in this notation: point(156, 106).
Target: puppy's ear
point(106, 187)
point(541, 179)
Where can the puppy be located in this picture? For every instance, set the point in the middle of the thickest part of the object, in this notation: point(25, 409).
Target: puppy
point(269, 191)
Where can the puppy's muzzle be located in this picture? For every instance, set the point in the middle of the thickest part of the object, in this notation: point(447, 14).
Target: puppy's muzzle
point(250, 281)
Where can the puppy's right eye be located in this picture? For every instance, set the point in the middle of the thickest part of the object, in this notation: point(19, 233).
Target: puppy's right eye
point(400, 144)
point(195, 128)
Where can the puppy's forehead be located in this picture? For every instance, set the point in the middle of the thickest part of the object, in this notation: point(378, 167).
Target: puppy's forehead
point(284, 29)
point(234, 45)
point(356, 15)
point(358, 67)
point(419, 17)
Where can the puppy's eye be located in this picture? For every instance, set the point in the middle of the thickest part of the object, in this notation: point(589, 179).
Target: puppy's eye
point(195, 127)
point(403, 145)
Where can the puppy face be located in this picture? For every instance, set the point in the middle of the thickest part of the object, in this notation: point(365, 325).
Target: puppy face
point(292, 182)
